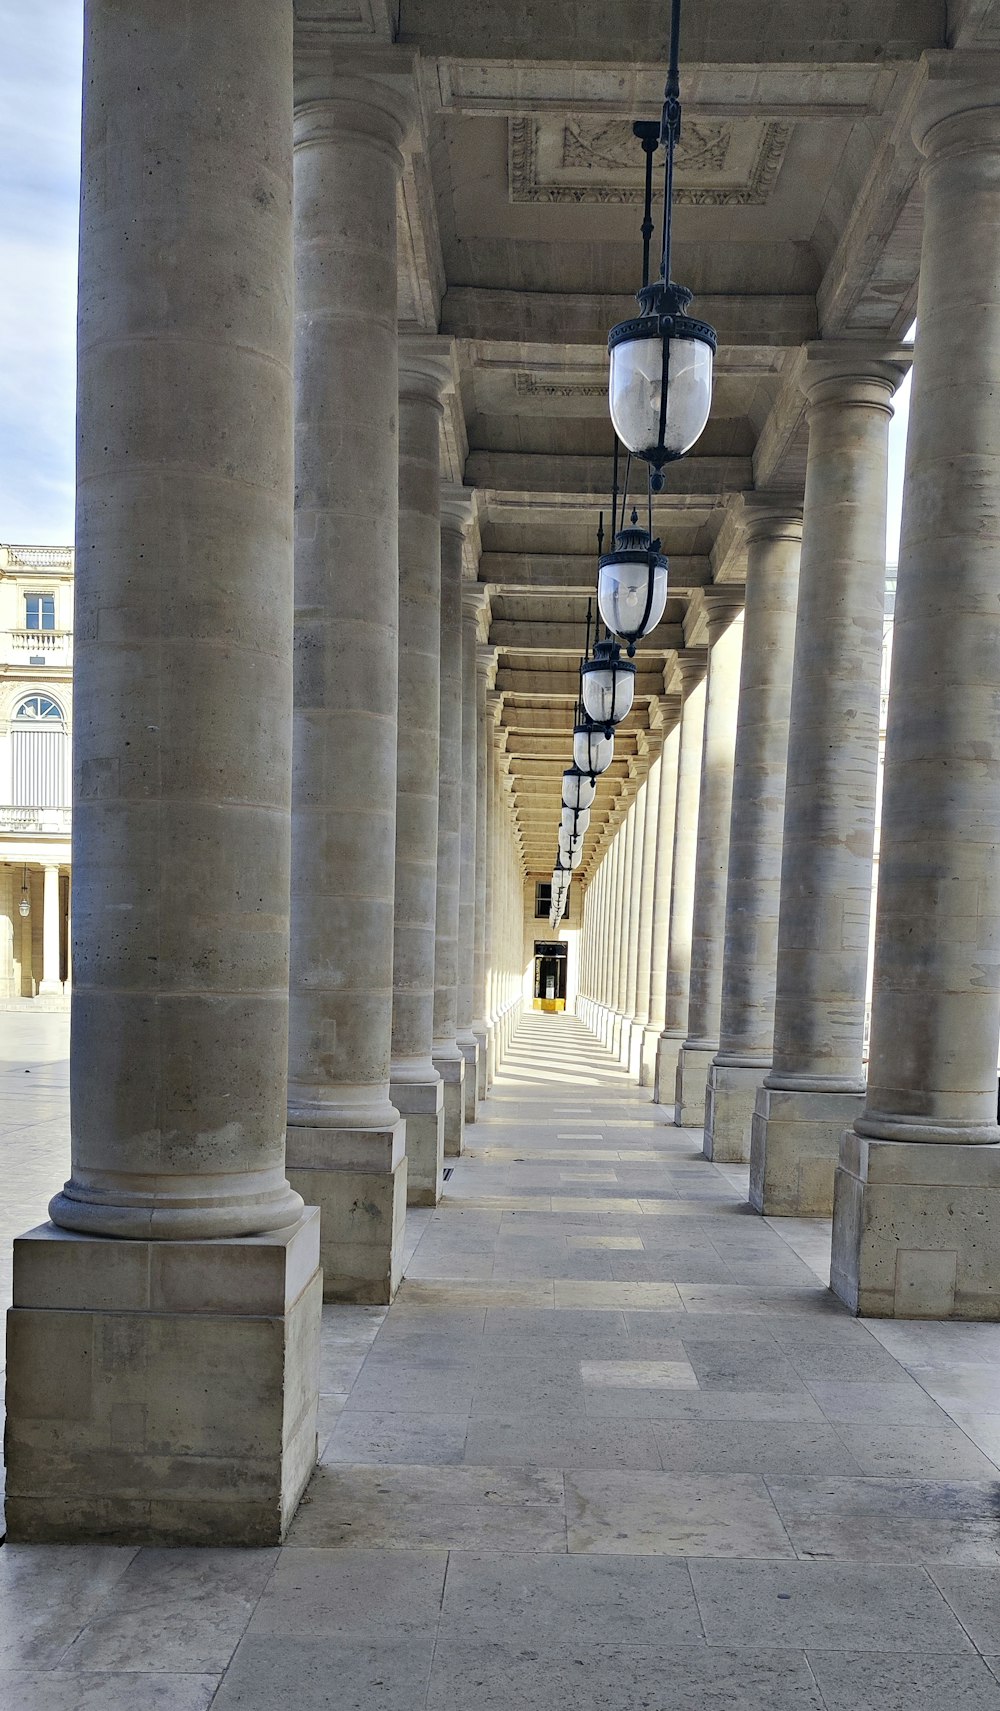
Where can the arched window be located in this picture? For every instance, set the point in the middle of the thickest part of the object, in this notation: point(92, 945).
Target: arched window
point(41, 754)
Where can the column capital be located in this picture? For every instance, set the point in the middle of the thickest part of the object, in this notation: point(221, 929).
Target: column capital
point(486, 664)
point(664, 712)
point(352, 90)
point(959, 108)
point(494, 706)
point(772, 516)
point(688, 668)
point(476, 609)
point(854, 372)
point(458, 508)
point(427, 368)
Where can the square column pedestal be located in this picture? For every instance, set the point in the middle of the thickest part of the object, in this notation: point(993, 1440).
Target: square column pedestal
point(668, 1051)
point(916, 1230)
point(161, 1392)
point(730, 1098)
point(794, 1148)
point(470, 1052)
point(357, 1178)
point(452, 1073)
point(647, 1062)
point(691, 1085)
point(421, 1105)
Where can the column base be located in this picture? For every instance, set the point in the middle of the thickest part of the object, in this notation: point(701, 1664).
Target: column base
point(161, 1393)
point(668, 1050)
point(634, 1064)
point(916, 1229)
point(794, 1146)
point(452, 1073)
point(491, 1053)
point(693, 1065)
point(730, 1098)
point(470, 1051)
point(50, 989)
point(421, 1105)
point(647, 1057)
point(357, 1178)
point(625, 1041)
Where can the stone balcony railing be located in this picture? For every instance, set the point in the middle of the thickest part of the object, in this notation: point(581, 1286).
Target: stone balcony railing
point(51, 822)
point(54, 646)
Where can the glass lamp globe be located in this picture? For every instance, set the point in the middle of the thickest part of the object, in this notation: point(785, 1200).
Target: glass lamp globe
point(578, 791)
point(661, 354)
point(24, 907)
point(608, 685)
point(593, 748)
point(632, 585)
point(576, 821)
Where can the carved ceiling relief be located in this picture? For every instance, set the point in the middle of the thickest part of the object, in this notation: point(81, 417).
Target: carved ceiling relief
point(585, 159)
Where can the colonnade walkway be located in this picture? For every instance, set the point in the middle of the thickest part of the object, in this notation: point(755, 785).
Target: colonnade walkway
point(613, 1448)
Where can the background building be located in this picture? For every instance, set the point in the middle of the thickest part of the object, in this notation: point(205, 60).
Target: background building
point(36, 669)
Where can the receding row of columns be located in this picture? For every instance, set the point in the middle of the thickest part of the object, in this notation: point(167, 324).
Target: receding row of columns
point(762, 853)
point(297, 888)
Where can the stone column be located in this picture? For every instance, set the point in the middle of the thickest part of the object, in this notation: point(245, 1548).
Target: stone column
point(691, 669)
point(651, 809)
point(486, 660)
point(472, 604)
point(8, 908)
point(50, 982)
point(816, 1083)
point(415, 1087)
point(708, 916)
point(611, 941)
point(659, 930)
point(449, 1061)
point(917, 1207)
point(184, 1340)
point(634, 907)
point(746, 1032)
point(619, 949)
point(345, 1136)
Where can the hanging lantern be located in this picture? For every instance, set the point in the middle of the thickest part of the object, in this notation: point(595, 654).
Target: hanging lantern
point(24, 906)
point(593, 748)
point(608, 685)
point(578, 791)
point(660, 391)
point(660, 388)
point(632, 585)
point(576, 821)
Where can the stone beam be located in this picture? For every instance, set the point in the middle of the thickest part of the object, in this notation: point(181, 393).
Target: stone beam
point(556, 638)
point(562, 318)
point(699, 480)
point(565, 685)
point(573, 573)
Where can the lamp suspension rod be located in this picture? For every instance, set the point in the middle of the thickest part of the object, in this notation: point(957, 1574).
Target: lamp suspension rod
point(670, 130)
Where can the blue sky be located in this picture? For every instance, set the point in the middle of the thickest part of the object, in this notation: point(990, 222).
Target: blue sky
point(39, 186)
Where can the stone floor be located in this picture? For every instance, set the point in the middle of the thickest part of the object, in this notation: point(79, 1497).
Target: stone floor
point(614, 1448)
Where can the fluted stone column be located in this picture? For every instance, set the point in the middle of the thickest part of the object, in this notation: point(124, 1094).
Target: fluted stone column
point(50, 982)
point(660, 924)
point(638, 812)
point(486, 660)
point(708, 916)
point(917, 1207)
point(472, 603)
point(651, 810)
point(494, 709)
point(816, 1083)
point(415, 1086)
point(449, 1061)
point(691, 668)
point(345, 1136)
point(746, 1031)
point(168, 1329)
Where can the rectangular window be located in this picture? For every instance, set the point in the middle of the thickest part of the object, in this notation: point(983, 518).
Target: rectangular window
point(39, 611)
point(543, 899)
